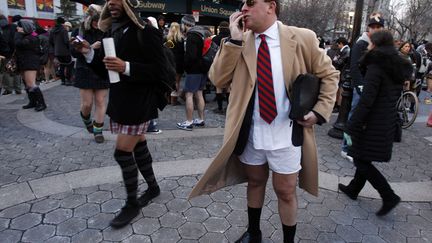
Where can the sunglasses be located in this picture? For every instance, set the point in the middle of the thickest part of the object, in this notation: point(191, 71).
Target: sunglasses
point(250, 3)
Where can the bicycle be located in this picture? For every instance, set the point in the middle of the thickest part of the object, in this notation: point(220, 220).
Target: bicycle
point(407, 105)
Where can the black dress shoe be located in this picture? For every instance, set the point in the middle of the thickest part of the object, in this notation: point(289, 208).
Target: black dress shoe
point(347, 191)
point(148, 195)
point(388, 205)
point(249, 238)
point(126, 215)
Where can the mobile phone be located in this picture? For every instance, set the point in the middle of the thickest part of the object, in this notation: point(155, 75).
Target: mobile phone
point(78, 39)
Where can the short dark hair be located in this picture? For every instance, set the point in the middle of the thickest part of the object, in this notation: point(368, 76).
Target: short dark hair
point(342, 40)
point(382, 38)
point(60, 20)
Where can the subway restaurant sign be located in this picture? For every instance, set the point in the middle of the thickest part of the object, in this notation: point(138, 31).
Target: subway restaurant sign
point(162, 6)
point(212, 9)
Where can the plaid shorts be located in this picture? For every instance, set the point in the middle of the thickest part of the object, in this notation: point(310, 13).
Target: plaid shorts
point(134, 130)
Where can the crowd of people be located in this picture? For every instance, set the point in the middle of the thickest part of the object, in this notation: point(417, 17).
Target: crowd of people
point(257, 62)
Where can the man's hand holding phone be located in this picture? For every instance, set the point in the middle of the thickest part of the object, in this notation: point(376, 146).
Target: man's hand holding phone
point(80, 44)
point(236, 28)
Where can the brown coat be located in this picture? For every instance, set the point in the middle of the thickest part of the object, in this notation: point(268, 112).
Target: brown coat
point(236, 66)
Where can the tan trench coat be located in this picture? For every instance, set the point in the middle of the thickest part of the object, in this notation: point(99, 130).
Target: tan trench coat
point(236, 66)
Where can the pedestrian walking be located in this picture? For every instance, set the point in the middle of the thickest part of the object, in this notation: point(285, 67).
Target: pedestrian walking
point(371, 130)
point(134, 100)
point(196, 75)
point(93, 88)
point(28, 62)
point(376, 23)
point(260, 65)
point(59, 39)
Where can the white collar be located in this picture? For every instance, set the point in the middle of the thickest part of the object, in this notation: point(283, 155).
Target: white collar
point(271, 32)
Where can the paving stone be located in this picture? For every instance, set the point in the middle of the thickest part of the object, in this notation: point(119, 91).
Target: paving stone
point(317, 210)
point(348, 233)
point(191, 230)
point(234, 233)
point(266, 213)
point(86, 210)
point(201, 201)
point(217, 209)
point(39, 233)
point(73, 201)
point(341, 217)
point(10, 235)
point(4, 223)
point(99, 197)
point(164, 197)
point(365, 227)
point(58, 239)
point(182, 192)
point(213, 237)
point(187, 181)
point(45, 206)
point(15, 211)
point(196, 215)
point(407, 230)
point(71, 227)
point(325, 237)
point(165, 235)
point(323, 224)
point(178, 205)
point(168, 185)
point(373, 239)
point(356, 212)
point(221, 196)
point(112, 205)
point(238, 191)
point(57, 216)
point(306, 232)
point(119, 193)
point(334, 204)
point(88, 235)
point(238, 218)
point(267, 229)
point(154, 210)
point(100, 221)
point(172, 220)
point(137, 239)
point(146, 226)
point(216, 225)
point(111, 234)
point(419, 222)
point(26, 221)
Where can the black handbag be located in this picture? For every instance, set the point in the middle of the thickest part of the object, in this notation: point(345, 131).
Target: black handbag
point(305, 91)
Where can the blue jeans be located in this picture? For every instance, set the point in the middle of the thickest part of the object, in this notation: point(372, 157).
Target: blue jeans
point(354, 102)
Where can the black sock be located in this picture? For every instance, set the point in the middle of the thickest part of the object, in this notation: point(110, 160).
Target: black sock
point(289, 233)
point(219, 99)
point(254, 216)
point(144, 161)
point(130, 173)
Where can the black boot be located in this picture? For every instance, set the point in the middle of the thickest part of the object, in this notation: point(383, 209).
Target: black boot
point(354, 187)
point(32, 99)
point(126, 215)
point(40, 101)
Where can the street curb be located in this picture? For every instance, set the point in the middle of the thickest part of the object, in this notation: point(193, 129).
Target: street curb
point(38, 188)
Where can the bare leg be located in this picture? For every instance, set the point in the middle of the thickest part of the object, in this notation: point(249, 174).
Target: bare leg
point(86, 101)
point(285, 188)
point(189, 106)
point(257, 180)
point(29, 78)
point(200, 103)
point(100, 100)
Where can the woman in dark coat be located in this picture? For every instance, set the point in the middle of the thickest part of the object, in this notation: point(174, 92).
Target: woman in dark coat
point(92, 86)
point(27, 51)
point(374, 123)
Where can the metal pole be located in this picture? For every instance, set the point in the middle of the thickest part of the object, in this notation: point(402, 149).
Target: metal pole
point(357, 20)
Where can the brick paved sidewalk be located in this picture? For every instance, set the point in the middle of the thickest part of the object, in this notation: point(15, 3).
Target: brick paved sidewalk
point(83, 214)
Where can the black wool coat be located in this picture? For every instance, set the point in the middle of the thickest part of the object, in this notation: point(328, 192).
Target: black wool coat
point(374, 121)
point(136, 98)
point(27, 51)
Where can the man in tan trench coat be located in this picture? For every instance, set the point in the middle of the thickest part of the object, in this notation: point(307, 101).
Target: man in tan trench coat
point(253, 143)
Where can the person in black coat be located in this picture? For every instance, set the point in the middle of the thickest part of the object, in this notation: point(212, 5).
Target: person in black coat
point(59, 40)
point(27, 51)
point(373, 126)
point(134, 100)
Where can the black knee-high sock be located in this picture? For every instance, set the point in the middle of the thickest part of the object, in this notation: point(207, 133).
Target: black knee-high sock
point(130, 173)
point(254, 216)
point(144, 161)
point(219, 99)
point(289, 233)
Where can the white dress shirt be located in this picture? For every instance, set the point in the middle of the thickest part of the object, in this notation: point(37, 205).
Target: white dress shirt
point(276, 135)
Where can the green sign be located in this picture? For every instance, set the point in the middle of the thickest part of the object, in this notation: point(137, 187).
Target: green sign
point(213, 9)
point(162, 6)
